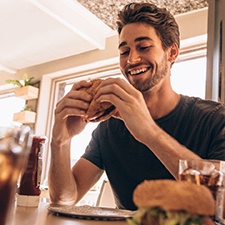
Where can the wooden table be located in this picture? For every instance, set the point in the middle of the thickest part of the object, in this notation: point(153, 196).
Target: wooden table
point(42, 216)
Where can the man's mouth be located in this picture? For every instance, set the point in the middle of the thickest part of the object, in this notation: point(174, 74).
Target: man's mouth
point(137, 71)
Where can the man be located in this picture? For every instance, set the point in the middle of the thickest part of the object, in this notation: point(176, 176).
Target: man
point(153, 128)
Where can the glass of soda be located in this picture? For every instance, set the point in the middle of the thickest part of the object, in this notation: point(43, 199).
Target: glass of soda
point(210, 173)
point(15, 145)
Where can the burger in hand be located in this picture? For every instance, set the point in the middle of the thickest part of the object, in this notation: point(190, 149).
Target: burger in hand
point(170, 202)
point(98, 111)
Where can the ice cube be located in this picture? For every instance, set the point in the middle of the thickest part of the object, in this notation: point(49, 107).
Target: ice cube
point(207, 168)
point(216, 178)
point(192, 175)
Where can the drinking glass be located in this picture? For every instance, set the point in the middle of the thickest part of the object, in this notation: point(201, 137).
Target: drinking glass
point(15, 144)
point(209, 173)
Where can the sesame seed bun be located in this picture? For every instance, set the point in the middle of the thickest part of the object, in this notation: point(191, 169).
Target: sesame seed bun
point(171, 195)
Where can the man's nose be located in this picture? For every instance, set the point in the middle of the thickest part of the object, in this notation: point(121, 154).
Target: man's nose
point(133, 58)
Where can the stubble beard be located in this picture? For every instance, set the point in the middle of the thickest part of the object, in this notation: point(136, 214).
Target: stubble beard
point(153, 79)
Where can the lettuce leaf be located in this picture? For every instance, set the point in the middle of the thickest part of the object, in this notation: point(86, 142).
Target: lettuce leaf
point(162, 217)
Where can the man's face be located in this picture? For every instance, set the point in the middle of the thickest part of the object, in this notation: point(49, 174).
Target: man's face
point(142, 59)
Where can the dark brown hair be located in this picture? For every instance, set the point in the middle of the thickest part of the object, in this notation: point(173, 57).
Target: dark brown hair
point(162, 20)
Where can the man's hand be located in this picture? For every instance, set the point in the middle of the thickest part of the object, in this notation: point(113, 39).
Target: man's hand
point(70, 112)
point(130, 104)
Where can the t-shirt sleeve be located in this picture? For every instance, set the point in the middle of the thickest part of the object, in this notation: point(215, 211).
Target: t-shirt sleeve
point(92, 151)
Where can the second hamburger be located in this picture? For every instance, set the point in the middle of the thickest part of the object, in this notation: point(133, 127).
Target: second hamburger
point(170, 202)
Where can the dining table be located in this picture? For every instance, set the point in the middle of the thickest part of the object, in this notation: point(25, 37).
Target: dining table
point(41, 215)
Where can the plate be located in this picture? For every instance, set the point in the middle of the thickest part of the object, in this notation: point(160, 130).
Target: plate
point(91, 212)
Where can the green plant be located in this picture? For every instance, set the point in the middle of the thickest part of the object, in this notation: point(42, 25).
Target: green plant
point(26, 108)
point(25, 82)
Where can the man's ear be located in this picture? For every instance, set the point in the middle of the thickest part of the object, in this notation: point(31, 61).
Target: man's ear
point(173, 53)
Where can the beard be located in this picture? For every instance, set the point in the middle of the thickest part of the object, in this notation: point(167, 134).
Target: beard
point(153, 79)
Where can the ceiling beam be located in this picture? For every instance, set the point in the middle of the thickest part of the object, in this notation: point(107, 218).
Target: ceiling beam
point(76, 18)
point(7, 68)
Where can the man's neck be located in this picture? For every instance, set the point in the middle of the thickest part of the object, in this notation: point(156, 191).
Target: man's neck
point(162, 102)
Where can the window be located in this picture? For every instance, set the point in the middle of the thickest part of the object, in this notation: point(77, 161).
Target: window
point(11, 105)
point(189, 77)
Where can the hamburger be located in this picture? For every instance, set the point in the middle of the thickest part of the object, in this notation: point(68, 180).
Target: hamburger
point(98, 111)
point(170, 202)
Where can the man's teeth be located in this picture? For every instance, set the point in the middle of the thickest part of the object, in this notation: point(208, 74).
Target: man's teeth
point(134, 72)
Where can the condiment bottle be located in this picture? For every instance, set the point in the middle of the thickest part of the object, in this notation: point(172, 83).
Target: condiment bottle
point(29, 189)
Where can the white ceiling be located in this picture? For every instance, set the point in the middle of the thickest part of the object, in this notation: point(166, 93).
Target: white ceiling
point(38, 31)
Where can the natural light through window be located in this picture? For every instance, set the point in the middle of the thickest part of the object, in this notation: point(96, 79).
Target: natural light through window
point(189, 77)
point(10, 105)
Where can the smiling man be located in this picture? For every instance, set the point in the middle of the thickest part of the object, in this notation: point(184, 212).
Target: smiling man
point(139, 53)
point(153, 126)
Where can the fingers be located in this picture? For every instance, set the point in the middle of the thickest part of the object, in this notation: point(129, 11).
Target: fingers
point(117, 115)
point(75, 102)
point(117, 90)
point(80, 84)
point(114, 85)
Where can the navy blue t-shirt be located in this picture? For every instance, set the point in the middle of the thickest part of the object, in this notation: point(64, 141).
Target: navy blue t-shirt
point(198, 124)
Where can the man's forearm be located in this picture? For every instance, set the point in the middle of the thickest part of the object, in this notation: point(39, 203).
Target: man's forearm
point(167, 149)
point(62, 185)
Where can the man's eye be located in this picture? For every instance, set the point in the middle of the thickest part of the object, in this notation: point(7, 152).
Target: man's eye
point(124, 52)
point(144, 48)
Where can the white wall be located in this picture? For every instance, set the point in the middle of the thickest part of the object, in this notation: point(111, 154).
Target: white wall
point(191, 24)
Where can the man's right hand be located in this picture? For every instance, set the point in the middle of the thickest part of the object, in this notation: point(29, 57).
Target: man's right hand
point(70, 112)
